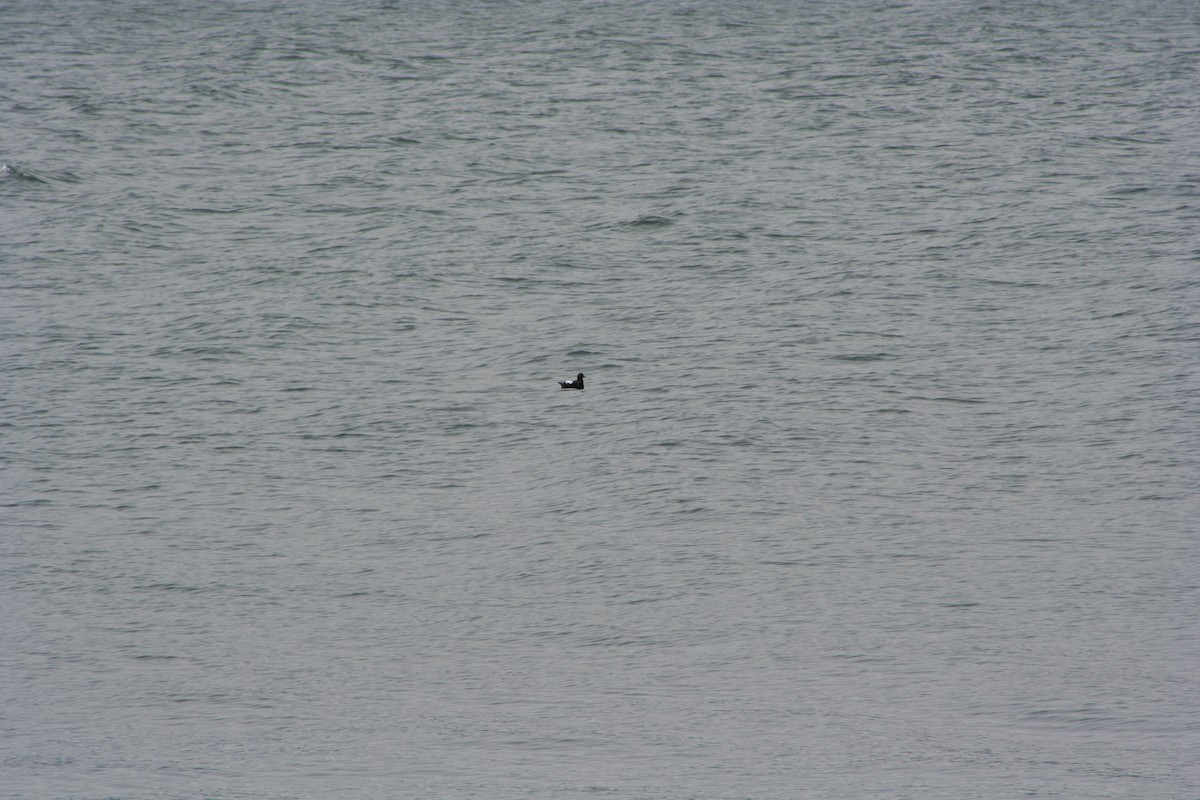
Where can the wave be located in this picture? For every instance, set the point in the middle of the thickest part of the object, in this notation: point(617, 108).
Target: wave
point(18, 173)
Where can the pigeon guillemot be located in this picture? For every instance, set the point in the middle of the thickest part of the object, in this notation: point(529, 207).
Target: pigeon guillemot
point(575, 384)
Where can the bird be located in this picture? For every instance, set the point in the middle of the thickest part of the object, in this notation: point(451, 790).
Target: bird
point(575, 384)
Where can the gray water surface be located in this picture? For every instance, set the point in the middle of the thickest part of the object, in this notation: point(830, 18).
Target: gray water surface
point(883, 484)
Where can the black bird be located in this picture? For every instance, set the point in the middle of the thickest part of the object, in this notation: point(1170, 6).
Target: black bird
point(575, 384)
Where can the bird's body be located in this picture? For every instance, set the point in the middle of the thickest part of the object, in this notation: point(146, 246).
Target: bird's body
point(575, 384)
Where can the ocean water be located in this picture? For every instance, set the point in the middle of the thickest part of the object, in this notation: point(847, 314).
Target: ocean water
point(883, 485)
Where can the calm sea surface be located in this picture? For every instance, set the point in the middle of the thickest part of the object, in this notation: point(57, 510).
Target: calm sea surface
point(883, 485)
